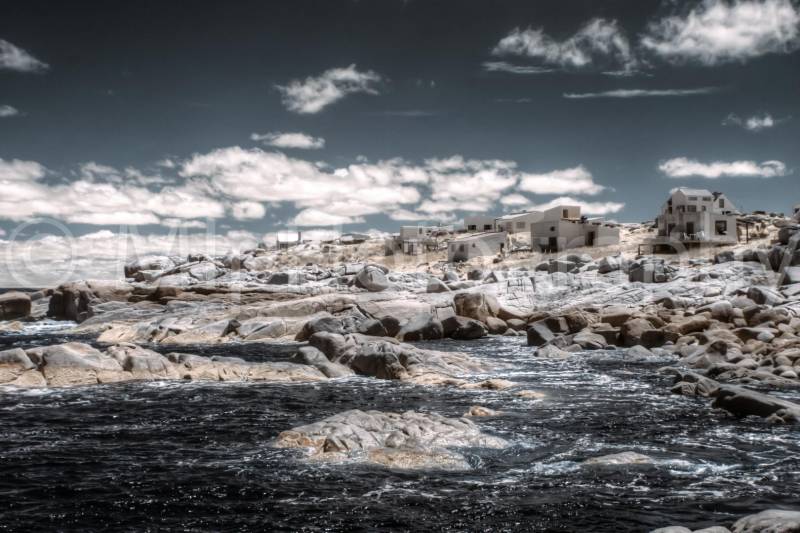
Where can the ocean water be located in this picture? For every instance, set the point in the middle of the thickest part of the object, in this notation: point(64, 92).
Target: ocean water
point(199, 456)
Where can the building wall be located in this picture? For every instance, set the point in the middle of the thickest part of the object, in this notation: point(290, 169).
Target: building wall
point(519, 223)
point(558, 212)
point(479, 223)
point(705, 223)
point(479, 246)
point(566, 234)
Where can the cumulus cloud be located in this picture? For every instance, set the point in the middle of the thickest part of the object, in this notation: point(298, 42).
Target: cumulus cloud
point(406, 215)
point(721, 31)
point(587, 208)
point(504, 66)
point(15, 58)
point(8, 111)
point(248, 210)
point(599, 42)
point(682, 167)
point(289, 140)
point(315, 93)
point(643, 93)
point(575, 180)
point(95, 198)
point(514, 200)
point(755, 123)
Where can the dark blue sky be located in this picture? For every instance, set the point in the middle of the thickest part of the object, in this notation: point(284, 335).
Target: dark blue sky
point(130, 85)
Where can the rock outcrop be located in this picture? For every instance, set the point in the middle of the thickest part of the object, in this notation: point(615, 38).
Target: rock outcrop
point(76, 364)
point(14, 305)
point(408, 440)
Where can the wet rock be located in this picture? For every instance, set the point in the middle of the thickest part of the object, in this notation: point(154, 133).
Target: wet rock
point(480, 411)
point(496, 326)
point(589, 341)
point(14, 305)
point(632, 331)
point(389, 359)
point(308, 355)
point(400, 440)
point(539, 333)
point(422, 327)
point(549, 351)
point(490, 384)
point(769, 521)
point(531, 395)
point(742, 402)
point(463, 328)
point(76, 364)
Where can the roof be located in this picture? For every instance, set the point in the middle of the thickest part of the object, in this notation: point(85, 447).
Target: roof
point(480, 235)
point(694, 192)
point(520, 214)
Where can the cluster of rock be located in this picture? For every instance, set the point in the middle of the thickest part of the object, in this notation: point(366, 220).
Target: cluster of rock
point(769, 521)
point(74, 364)
point(399, 440)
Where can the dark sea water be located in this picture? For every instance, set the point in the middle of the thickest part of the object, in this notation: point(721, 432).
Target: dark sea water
point(198, 456)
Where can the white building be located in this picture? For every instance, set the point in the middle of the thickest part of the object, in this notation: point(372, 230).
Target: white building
point(563, 227)
point(698, 216)
point(479, 223)
point(477, 245)
point(415, 240)
point(518, 222)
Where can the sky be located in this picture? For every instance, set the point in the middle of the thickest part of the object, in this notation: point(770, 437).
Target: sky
point(244, 118)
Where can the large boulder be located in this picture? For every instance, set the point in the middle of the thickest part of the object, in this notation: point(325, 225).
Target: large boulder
point(422, 327)
point(769, 521)
point(463, 328)
point(610, 264)
point(400, 440)
point(14, 305)
point(372, 279)
point(476, 305)
point(539, 333)
point(436, 285)
point(631, 332)
point(743, 402)
point(650, 270)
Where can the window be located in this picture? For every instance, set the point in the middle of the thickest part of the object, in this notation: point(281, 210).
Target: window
point(419, 230)
point(461, 248)
point(472, 227)
point(706, 198)
point(487, 227)
point(520, 225)
point(565, 213)
point(704, 208)
point(721, 227)
point(693, 198)
point(552, 228)
point(722, 203)
point(691, 208)
point(473, 245)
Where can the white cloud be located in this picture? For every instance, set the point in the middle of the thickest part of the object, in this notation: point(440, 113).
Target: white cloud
point(755, 123)
point(720, 31)
point(183, 224)
point(575, 180)
point(504, 66)
point(598, 42)
point(682, 167)
point(289, 140)
point(587, 208)
point(17, 170)
point(643, 93)
point(15, 58)
point(98, 197)
point(8, 111)
point(514, 200)
point(248, 210)
point(313, 94)
point(317, 217)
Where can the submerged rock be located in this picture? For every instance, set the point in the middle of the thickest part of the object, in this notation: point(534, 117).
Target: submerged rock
point(623, 458)
point(409, 440)
point(14, 305)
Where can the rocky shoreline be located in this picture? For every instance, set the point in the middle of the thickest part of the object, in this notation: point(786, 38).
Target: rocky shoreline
point(730, 322)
